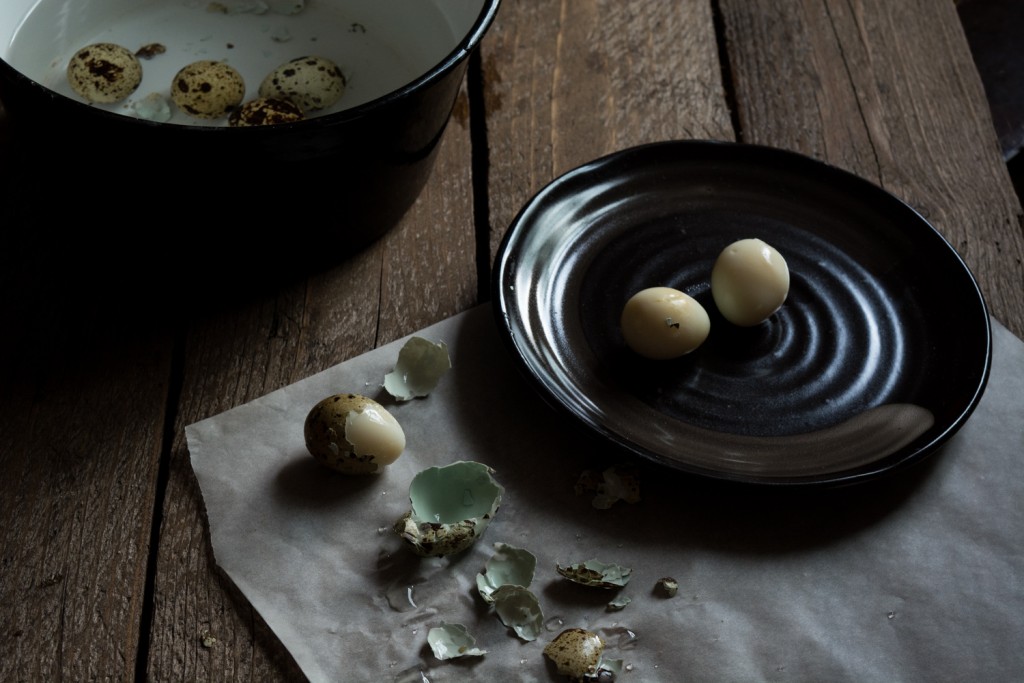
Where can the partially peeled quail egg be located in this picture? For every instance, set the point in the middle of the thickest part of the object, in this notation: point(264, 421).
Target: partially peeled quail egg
point(353, 434)
point(451, 508)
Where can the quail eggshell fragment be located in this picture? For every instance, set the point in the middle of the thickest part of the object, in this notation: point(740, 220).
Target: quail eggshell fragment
point(208, 89)
point(610, 486)
point(596, 573)
point(421, 364)
point(265, 111)
point(353, 434)
point(508, 566)
point(519, 609)
point(310, 82)
point(667, 586)
point(662, 323)
point(576, 653)
point(451, 508)
point(449, 641)
point(104, 73)
point(749, 282)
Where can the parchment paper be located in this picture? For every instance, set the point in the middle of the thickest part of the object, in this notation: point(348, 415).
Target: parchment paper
point(918, 577)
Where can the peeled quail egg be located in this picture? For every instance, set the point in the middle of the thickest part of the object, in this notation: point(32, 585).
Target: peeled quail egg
point(310, 82)
point(449, 641)
point(207, 89)
point(576, 653)
point(265, 111)
point(104, 72)
point(451, 508)
point(353, 434)
point(749, 282)
point(662, 323)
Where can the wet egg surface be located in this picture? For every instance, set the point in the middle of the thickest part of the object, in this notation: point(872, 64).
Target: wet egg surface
point(749, 282)
point(353, 434)
point(662, 323)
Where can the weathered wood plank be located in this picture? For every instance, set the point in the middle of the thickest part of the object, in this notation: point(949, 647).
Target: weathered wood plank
point(421, 272)
point(82, 402)
point(568, 82)
point(888, 91)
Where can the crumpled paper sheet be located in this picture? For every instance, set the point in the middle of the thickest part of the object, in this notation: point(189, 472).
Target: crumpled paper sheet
point(918, 577)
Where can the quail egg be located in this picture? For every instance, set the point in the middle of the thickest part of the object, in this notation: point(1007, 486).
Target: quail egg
point(576, 653)
point(310, 82)
point(104, 72)
point(749, 282)
point(662, 323)
point(208, 89)
point(451, 508)
point(449, 641)
point(265, 111)
point(353, 434)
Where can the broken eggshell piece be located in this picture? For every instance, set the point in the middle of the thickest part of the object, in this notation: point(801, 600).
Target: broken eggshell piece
point(508, 566)
point(421, 364)
point(449, 641)
point(451, 508)
point(519, 609)
point(596, 573)
point(576, 653)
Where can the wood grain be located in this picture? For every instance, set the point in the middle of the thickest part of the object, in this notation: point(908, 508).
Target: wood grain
point(887, 91)
point(565, 83)
point(83, 400)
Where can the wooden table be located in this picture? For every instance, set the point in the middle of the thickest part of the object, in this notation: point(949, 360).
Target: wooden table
point(105, 563)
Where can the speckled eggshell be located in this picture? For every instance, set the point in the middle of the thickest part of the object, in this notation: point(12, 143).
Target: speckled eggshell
point(310, 82)
point(437, 540)
point(325, 434)
point(265, 111)
point(207, 89)
point(576, 652)
point(104, 73)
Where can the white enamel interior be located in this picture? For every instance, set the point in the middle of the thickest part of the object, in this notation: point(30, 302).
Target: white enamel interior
point(380, 45)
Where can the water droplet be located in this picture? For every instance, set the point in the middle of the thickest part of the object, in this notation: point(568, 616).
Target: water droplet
point(891, 615)
point(554, 623)
point(629, 667)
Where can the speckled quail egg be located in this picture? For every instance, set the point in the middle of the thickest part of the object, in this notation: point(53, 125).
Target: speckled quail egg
point(749, 282)
point(576, 653)
point(310, 82)
point(104, 72)
point(353, 434)
point(663, 323)
point(208, 89)
point(451, 508)
point(265, 111)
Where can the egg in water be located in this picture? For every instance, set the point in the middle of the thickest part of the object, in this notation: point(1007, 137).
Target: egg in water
point(662, 323)
point(749, 282)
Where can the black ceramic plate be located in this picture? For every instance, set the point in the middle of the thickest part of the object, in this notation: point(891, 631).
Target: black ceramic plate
point(880, 353)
